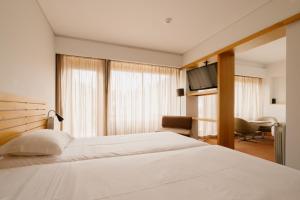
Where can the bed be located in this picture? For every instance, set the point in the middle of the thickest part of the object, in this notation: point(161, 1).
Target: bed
point(143, 166)
point(108, 146)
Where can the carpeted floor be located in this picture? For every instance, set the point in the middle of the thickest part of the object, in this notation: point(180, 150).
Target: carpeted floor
point(263, 148)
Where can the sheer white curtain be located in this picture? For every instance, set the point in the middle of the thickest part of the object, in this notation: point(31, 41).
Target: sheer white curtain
point(248, 100)
point(207, 109)
point(138, 95)
point(82, 95)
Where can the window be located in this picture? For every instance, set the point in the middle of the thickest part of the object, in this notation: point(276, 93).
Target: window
point(139, 95)
point(120, 98)
point(207, 112)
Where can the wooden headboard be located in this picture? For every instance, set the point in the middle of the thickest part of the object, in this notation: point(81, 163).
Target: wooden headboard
point(19, 115)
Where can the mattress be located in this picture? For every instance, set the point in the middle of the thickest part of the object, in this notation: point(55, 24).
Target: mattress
point(206, 172)
point(109, 146)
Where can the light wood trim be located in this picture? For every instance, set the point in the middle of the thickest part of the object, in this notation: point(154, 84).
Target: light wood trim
point(261, 40)
point(6, 97)
point(204, 119)
point(19, 115)
point(203, 92)
point(273, 27)
point(9, 105)
point(7, 115)
point(225, 122)
point(6, 124)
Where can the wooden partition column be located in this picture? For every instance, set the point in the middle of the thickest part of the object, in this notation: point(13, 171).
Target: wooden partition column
point(226, 99)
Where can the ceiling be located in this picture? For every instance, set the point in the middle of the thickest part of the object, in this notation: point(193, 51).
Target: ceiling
point(141, 23)
point(272, 52)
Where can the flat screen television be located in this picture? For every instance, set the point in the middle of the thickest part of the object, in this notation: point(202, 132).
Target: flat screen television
point(203, 77)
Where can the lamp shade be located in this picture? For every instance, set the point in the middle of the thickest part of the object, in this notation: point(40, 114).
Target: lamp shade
point(60, 118)
point(180, 92)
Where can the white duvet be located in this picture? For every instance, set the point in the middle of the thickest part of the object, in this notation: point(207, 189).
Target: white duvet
point(207, 172)
point(108, 146)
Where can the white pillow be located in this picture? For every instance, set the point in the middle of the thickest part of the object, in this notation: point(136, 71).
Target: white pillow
point(37, 143)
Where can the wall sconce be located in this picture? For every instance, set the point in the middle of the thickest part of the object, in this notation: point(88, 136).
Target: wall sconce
point(50, 120)
point(180, 93)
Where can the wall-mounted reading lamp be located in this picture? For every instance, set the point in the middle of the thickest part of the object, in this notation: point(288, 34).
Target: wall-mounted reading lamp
point(50, 120)
point(180, 93)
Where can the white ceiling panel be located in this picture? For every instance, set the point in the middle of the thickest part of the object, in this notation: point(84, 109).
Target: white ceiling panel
point(141, 23)
point(272, 52)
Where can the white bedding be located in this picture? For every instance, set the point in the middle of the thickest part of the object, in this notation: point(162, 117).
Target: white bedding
point(109, 146)
point(207, 172)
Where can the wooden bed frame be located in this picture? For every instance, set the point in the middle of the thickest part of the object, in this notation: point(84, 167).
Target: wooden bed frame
point(19, 115)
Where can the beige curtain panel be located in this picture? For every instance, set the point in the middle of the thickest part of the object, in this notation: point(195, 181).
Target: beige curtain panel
point(81, 95)
point(248, 97)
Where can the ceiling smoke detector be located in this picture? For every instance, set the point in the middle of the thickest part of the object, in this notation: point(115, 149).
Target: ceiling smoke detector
point(168, 20)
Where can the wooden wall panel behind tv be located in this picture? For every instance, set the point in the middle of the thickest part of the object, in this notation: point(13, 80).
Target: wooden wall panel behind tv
point(19, 115)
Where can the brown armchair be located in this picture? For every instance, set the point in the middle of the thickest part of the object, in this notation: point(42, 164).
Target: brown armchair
point(178, 124)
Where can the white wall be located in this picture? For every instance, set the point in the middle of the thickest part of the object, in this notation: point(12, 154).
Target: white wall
point(259, 19)
point(27, 59)
point(275, 87)
point(293, 96)
point(78, 47)
point(246, 68)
